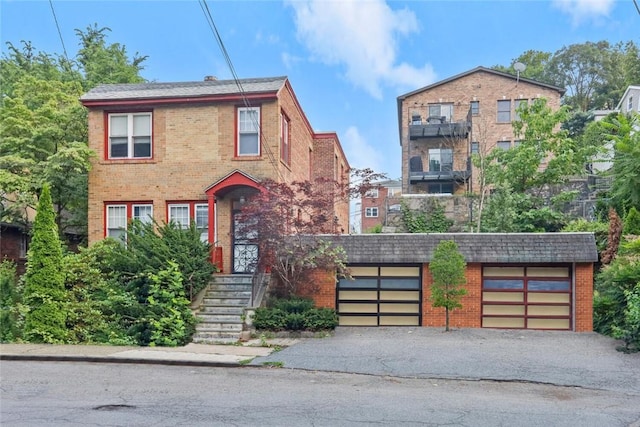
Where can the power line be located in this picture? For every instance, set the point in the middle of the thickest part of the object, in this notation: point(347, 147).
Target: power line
point(55, 18)
point(214, 29)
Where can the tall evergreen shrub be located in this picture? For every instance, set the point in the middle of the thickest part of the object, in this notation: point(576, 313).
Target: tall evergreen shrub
point(44, 293)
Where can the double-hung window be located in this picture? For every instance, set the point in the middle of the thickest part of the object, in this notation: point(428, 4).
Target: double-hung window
point(130, 136)
point(503, 145)
point(285, 145)
point(475, 108)
point(371, 212)
point(372, 193)
point(504, 111)
point(248, 131)
point(440, 159)
point(182, 214)
point(118, 216)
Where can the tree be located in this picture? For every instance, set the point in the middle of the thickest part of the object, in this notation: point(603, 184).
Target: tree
point(447, 268)
point(537, 66)
point(43, 126)
point(544, 157)
point(625, 189)
point(282, 219)
point(44, 293)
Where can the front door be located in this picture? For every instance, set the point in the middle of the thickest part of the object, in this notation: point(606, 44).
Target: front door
point(245, 251)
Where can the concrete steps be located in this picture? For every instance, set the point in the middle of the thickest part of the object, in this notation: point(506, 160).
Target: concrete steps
point(220, 315)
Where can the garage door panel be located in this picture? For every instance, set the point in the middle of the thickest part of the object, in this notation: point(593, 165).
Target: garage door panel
point(548, 323)
point(517, 310)
point(399, 308)
point(358, 295)
point(503, 322)
point(503, 296)
point(354, 307)
point(548, 297)
point(399, 321)
point(548, 310)
point(358, 320)
point(400, 295)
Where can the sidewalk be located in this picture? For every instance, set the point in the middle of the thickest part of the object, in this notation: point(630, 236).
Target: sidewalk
point(213, 355)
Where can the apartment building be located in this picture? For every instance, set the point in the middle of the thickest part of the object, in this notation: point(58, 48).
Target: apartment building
point(194, 152)
point(442, 124)
point(379, 203)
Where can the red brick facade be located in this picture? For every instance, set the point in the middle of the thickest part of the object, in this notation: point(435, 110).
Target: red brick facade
point(470, 315)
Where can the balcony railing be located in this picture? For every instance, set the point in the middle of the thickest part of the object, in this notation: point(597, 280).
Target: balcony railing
point(439, 129)
point(441, 176)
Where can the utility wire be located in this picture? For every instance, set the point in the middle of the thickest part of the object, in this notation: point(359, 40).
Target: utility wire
point(55, 18)
point(635, 2)
point(212, 25)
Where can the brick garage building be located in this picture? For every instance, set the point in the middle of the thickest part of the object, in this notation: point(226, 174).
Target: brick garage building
point(514, 280)
point(195, 151)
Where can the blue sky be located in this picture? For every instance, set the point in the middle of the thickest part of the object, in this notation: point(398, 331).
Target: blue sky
point(347, 60)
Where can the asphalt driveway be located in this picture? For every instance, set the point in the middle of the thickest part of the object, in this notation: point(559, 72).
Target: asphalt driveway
point(586, 360)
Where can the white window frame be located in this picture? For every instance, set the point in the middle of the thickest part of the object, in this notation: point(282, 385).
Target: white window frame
point(630, 104)
point(145, 219)
point(248, 127)
point(475, 111)
point(119, 229)
point(204, 231)
point(285, 139)
point(172, 216)
point(371, 212)
point(503, 115)
point(130, 135)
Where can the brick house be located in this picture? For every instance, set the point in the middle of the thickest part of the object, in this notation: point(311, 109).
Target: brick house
point(514, 280)
point(379, 203)
point(195, 151)
point(442, 124)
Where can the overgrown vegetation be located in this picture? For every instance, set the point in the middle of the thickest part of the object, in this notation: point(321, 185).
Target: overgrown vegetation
point(429, 218)
point(294, 314)
point(9, 303)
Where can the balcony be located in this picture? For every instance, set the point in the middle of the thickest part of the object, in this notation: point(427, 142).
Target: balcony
point(438, 127)
point(446, 174)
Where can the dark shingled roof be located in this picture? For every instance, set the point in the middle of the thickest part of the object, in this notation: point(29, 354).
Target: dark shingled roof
point(476, 247)
point(182, 89)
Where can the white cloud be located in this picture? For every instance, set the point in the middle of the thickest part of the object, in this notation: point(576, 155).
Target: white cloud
point(363, 37)
point(289, 60)
point(360, 153)
point(584, 10)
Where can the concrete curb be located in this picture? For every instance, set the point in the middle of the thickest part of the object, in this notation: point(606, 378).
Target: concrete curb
point(127, 360)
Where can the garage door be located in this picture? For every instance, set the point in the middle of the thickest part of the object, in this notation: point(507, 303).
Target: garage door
point(380, 296)
point(527, 297)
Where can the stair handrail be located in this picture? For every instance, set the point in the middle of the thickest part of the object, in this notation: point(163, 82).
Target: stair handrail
point(257, 285)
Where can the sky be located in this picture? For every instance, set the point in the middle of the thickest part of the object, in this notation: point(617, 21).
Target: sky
point(347, 61)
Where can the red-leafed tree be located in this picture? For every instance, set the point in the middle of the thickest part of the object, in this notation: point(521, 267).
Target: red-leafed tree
point(283, 219)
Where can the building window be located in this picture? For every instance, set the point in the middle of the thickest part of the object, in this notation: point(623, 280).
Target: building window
point(183, 214)
point(503, 145)
point(517, 105)
point(440, 159)
point(285, 146)
point(440, 188)
point(119, 215)
point(129, 136)
point(475, 147)
point(475, 108)
point(630, 104)
point(249, 131)
point(441, 110)
point(393, 191)
point(504, 111)
point(371, 212)
point(517, 142)
point(372, 193)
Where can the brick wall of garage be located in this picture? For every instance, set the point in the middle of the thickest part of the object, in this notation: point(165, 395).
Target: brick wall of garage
point(469, 316)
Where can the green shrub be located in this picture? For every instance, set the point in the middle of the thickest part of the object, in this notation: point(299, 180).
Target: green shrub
point(598, 228)
point(293, 305)
point(318, 319)
point(270, 319)
point(9, 299)
point(632, 222)
point(629, 332)
point(295, 321)
point(171, 322)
